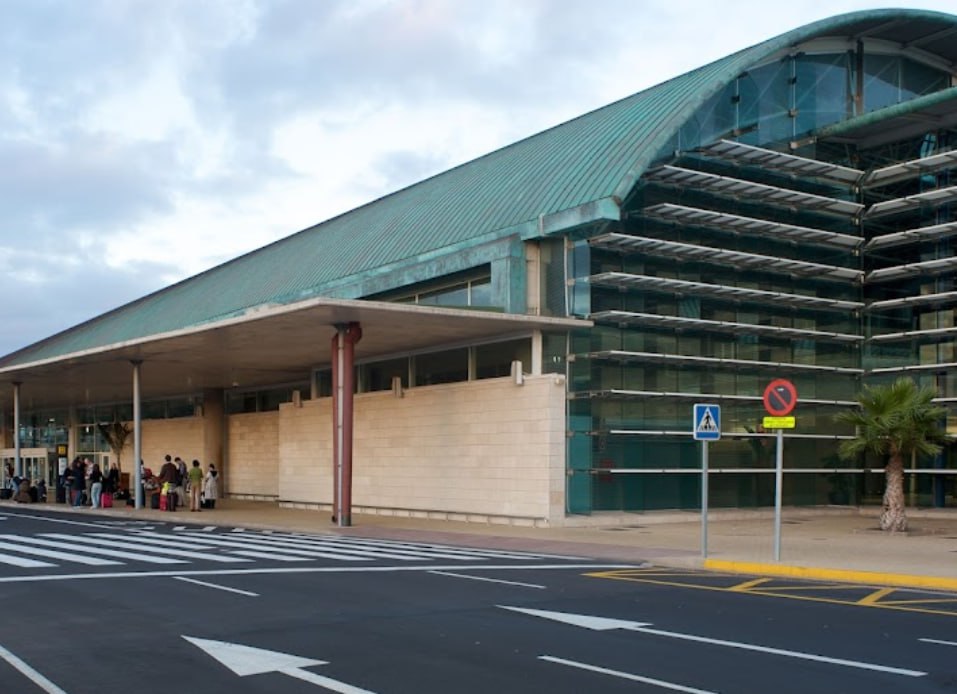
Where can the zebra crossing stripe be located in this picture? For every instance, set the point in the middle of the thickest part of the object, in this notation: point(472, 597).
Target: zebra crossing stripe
point(23, 562)
point(471, 551)
point(72, 545)
point(53, 554)
point(392, 551)
point(124, 542)
point(298, 545)
point(265, 551)
point(269, 555)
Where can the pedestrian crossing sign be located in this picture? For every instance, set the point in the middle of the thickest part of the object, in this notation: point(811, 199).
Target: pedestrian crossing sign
point(707, 422)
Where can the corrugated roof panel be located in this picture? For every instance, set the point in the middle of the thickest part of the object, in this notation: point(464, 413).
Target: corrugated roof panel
point(594, 157)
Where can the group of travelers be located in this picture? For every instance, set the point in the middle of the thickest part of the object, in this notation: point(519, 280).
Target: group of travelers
point(86, 484)
point(177, 481)
point(22, 489)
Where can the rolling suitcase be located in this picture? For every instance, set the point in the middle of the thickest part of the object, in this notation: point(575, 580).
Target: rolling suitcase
point(106, 500)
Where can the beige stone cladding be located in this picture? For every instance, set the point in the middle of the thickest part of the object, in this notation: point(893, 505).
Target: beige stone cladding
point(253, 455)
point(487, 449)
point(182, 436)
point(305, 447)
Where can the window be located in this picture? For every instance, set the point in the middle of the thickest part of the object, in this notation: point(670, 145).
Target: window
point(495, 360)
point(442, 367)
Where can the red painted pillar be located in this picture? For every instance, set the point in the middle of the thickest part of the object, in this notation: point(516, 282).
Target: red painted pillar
point(343, 386)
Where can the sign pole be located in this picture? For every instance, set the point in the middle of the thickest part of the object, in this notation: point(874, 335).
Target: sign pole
point(706, 426)
point(780, 398)
point(778, 489)
point(704, 499)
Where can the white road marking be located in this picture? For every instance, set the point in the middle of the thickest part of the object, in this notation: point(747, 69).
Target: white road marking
point(475, 551)
point(246, 661)
point(268, 555)
point(331, 549)
point(490, 580)
point(217, 587)
point(53, 554)
point(39, 578)
point(265, 550)
point(23, 562)
point(65, 521)
point(942, 643)
point(608, 623)
point(31, 674)
point(137, 543)
point(626, 675)
point(72, 545)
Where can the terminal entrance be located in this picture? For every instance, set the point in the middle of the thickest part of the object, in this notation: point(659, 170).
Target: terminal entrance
point(38, 464)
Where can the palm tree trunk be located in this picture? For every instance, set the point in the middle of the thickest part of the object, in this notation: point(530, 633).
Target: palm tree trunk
point(893, 517)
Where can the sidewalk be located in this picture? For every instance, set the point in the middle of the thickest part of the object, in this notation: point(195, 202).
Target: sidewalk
point(830, 544)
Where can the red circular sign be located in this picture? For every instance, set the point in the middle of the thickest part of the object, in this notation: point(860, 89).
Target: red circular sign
point(780, 397)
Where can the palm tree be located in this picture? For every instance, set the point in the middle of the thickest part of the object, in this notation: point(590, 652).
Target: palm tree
point(895, 420)
point(116, 433)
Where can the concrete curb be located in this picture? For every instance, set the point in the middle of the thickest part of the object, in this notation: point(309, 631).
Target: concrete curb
point(825, 574)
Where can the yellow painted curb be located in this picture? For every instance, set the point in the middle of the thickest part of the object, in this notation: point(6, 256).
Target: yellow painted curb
point(823, 574)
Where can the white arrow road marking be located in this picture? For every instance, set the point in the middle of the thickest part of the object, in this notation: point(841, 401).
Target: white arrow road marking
point(246, 660)
point(603, 624)
point(625, 675)
point(942, 643)
point(31, 674)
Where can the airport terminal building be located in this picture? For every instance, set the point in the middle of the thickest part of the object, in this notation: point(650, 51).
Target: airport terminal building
point(521, 339)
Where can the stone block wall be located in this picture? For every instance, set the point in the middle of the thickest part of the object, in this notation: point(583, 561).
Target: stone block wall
point(483, 450)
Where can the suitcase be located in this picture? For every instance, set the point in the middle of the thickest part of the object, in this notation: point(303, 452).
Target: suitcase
point(170, 499)
point(106, 500)
point(155, 501)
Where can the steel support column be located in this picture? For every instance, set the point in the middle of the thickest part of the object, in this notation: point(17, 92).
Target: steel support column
point(17, 460)
point(137, 436)
point(343, 377)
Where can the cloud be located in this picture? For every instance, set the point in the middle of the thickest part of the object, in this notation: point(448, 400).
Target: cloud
point(147, 141)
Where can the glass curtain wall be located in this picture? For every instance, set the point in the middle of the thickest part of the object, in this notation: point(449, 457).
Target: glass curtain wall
point(705, 295)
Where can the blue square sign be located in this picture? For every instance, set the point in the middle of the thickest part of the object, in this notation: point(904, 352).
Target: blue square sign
point(707, 422)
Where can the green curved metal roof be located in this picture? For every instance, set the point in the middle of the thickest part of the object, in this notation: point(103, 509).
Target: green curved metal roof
point(596, 157)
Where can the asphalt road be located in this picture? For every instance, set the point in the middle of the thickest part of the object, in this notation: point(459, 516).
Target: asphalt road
point(203, 609)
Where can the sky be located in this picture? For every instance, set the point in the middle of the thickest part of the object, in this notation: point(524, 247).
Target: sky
point(144, 141)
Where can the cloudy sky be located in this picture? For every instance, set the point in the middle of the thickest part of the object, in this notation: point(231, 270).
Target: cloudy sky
point(143, 141)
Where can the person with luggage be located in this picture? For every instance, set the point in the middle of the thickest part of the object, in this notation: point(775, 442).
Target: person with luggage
point(168, 483)
point(195, 486)
point(96, 485)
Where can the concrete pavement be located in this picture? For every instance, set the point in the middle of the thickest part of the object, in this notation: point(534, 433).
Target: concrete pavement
point(833, 544)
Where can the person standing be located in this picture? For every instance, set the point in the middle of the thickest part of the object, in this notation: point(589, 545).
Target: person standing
point(195, 486)
point(78, 483)
point(211, 487)
point(88, 471)
point(111, 484)
point(182, 478)
point(167, 482)
point(96, 485)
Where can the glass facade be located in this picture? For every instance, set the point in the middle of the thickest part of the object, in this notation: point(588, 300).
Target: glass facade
point(723, 275)
point(798, 93)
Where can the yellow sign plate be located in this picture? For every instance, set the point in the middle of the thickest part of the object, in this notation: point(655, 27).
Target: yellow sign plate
point(778, 422)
